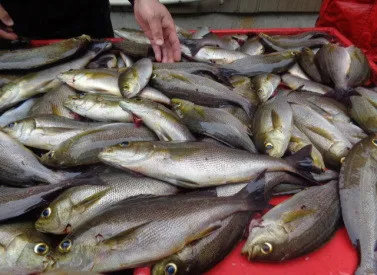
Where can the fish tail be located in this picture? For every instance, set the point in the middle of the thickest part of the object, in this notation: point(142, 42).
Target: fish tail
point(99, 47)
point(249, 108)
point(191, 44)
point(254, 193)
point(343, 94)
point(227, 73)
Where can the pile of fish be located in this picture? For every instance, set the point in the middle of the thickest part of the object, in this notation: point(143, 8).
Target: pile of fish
point(110, 161)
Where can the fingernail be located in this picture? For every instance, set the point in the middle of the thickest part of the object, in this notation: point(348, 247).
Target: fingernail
point(159, 42)
point(9, 22)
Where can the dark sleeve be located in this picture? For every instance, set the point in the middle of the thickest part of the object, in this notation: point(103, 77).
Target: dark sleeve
point(132, 2)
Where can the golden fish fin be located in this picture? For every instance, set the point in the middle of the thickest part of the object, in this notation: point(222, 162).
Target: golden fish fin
point(296, 214)
point(276, 121)
point(321, 132)
point(91, 200)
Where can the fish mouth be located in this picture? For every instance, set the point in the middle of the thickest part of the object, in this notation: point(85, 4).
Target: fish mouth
point(250, 252)
point(49, 263)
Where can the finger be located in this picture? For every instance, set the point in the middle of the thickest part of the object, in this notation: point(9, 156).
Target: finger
point(169, 51)
point(175, 45)
point(156, 30)
point(5, 18)
point(157, 52)
point(8, 35)
point(164, 54)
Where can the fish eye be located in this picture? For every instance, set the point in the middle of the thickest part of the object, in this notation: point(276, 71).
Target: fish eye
point(65, 246)
point(11, 125)
point(50, 154)
point(260, 91)
point(81, 95)
point(266, 248)
point(171, 269)
point(124, 144)
point(46, 213)
point(268, 146)
point(41, 249)
point(374, 141)
point(342, 160)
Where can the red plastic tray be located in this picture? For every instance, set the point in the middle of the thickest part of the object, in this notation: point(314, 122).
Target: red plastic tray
point(338, 256)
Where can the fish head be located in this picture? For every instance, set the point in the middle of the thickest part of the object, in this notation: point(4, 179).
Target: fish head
point(290, 54)
point(127, 153)
point(128, 81)
point(275, 143)
point(266, 243)
point(182, 107)
point(20, 129)
point(264, 91)
point(171, 265)
point(27, 252)
point(70, 256)
point(56, 217)
point(69, 77)
point(55, 158)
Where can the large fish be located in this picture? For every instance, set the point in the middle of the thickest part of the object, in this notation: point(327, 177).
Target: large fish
point(198, 164)
point(295, 227)
point(169, 223)
point(197, 89)
point(83, 148)
point(41, 56)
point(19, 166)
point(272, 127)
point(201, 256)
point(98, 107)
point(214, 122)
point(163, 121)
point(79, 205)
point(24, 249)
point(357, 188)
point(44, 80)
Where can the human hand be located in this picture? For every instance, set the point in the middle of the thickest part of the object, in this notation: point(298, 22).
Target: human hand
point(6, 32)
point(158, 25)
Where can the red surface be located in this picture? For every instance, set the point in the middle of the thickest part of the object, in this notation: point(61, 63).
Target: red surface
point(335, 257)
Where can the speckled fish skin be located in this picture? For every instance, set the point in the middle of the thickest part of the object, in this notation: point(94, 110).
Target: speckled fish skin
point(359, 70)
point(295, 82)
point(83, 148)
point(18, 112)
point(190, 217)
point(214, 122)
point(357, 188)
point(363, 109)
point(42, 81)
point(272, 126)
point(201, 256)
point(92, 80)
point(282, 45)
point(21, 240)
point(329, 108)
point(98, 107)
point(308, 64)
point(135, 78)
point(257, 64)
point(19, 166)
point(197, 89)
point(80, 204)
point(36, 57)
point(295, 227)
point(298, 141)
point(179, 163)
point(45, 138)
point(332, 143)
point(163, 121)
point(334, 64)
point(265, 85)
point(252, 46)
point(52, 103)
point(218, 55)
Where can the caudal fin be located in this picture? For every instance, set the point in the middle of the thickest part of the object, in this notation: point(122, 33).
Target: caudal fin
point(302, 160)
point(191, 44)
point(254, 193)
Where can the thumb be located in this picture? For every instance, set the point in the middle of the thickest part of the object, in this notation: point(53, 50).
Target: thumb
point(5, 18)
point(156, 30)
